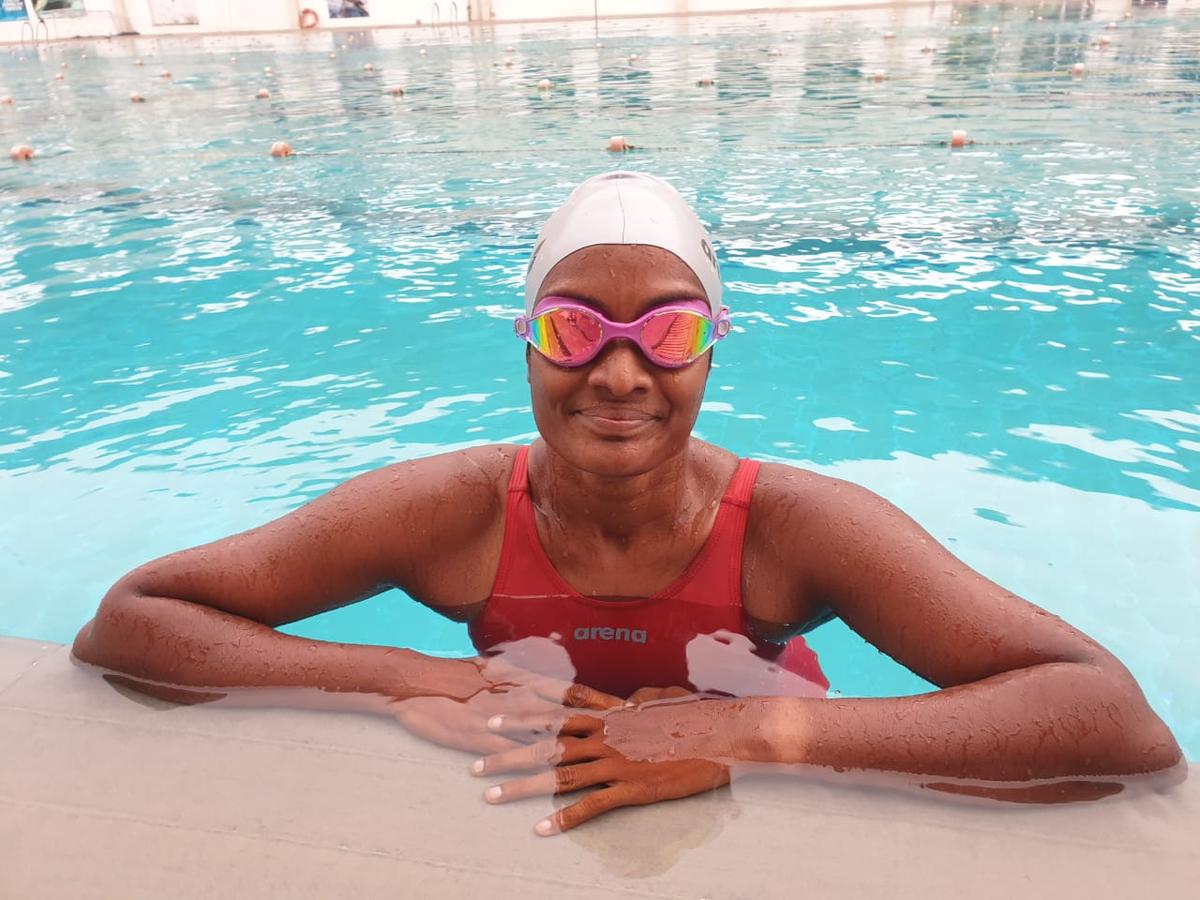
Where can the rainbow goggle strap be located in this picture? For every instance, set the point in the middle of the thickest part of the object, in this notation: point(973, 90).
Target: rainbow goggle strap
point(571, 334)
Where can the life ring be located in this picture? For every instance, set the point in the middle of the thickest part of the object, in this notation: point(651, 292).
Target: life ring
point(308, 18)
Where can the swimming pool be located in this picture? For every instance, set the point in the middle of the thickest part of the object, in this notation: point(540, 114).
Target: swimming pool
point(195, 338)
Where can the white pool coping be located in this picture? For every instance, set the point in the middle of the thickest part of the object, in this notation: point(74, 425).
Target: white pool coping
point(105, 797)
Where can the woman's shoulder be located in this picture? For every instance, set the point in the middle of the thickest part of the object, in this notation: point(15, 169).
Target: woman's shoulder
point(455, 503)
point(795, 497)
point(472, 476)
point(491, 459)
point(784, 480)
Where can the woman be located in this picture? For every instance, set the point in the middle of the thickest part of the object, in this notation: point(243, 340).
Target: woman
point(619, 557)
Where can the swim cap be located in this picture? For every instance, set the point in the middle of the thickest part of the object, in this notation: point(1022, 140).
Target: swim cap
point(624, 208)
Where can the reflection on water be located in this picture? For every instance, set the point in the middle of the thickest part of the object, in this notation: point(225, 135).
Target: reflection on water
point(625, 852)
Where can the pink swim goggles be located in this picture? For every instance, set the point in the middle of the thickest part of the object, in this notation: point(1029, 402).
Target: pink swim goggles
point(570, 334)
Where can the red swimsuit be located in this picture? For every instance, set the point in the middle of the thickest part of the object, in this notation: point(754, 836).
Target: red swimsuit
point(691, 634)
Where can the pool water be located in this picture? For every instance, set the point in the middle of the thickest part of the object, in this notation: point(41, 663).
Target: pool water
point(196, 338)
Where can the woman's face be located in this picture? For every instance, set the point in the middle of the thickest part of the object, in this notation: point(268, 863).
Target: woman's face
point(620, 414)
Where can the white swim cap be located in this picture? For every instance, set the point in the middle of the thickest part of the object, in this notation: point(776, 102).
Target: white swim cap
point(625, 208)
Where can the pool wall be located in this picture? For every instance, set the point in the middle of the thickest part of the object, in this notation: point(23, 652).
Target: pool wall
point(104, 795)
point(112, 17)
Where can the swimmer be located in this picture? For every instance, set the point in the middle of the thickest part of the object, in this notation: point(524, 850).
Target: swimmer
point(21, 153)
point(618, 144)
point(281, 149)
point(618, 575)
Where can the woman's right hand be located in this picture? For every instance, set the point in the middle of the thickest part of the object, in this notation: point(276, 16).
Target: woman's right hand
point(486, 687)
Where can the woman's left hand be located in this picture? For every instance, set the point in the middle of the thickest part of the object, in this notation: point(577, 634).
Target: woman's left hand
point(662, 750)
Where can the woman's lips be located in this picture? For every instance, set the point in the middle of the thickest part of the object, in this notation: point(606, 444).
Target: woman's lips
point(616, 420)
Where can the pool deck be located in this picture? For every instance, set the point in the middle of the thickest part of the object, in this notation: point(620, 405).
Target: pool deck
point(102, 796)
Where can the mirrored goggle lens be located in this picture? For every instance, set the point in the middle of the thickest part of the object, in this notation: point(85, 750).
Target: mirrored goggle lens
point(676, 338)
point(565, 336)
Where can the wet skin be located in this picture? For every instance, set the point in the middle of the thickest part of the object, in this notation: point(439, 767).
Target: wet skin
point(624, 499)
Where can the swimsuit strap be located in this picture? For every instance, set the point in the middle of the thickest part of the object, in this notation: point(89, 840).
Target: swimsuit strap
point(741, 489)
point(517, 499)
point(518, 482)
point(741, 486)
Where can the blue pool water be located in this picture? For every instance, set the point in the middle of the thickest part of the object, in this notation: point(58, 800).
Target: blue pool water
point(196, 338)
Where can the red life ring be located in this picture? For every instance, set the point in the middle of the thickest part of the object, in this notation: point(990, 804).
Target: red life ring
point(308, 18)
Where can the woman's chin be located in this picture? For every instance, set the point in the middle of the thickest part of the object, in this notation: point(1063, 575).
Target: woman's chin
point(623, 456)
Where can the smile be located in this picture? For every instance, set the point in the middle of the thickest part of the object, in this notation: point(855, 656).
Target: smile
point(616, 422)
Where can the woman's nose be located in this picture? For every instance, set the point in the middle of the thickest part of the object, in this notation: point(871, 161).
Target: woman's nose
point(620, 369)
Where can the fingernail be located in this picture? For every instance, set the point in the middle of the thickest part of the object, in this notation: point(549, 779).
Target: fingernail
point(492, 794)
point(495, 721)
point(478, 766)
point(544, 827)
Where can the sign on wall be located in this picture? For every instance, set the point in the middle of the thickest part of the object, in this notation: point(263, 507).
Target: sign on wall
point(15, 9)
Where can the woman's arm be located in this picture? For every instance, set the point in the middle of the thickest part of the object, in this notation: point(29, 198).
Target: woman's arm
point(205, 617)
point(1048, 721)
point(1026, 695)
point(187, 652)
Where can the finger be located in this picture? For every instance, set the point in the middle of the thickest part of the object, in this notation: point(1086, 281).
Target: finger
point(537, 756)
point(544, 724)
point(646, 695)
point(576, 695)
point(569, 693)
point(434, 730)
point(490, 744)
point(594, 804)
point(562, 780)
